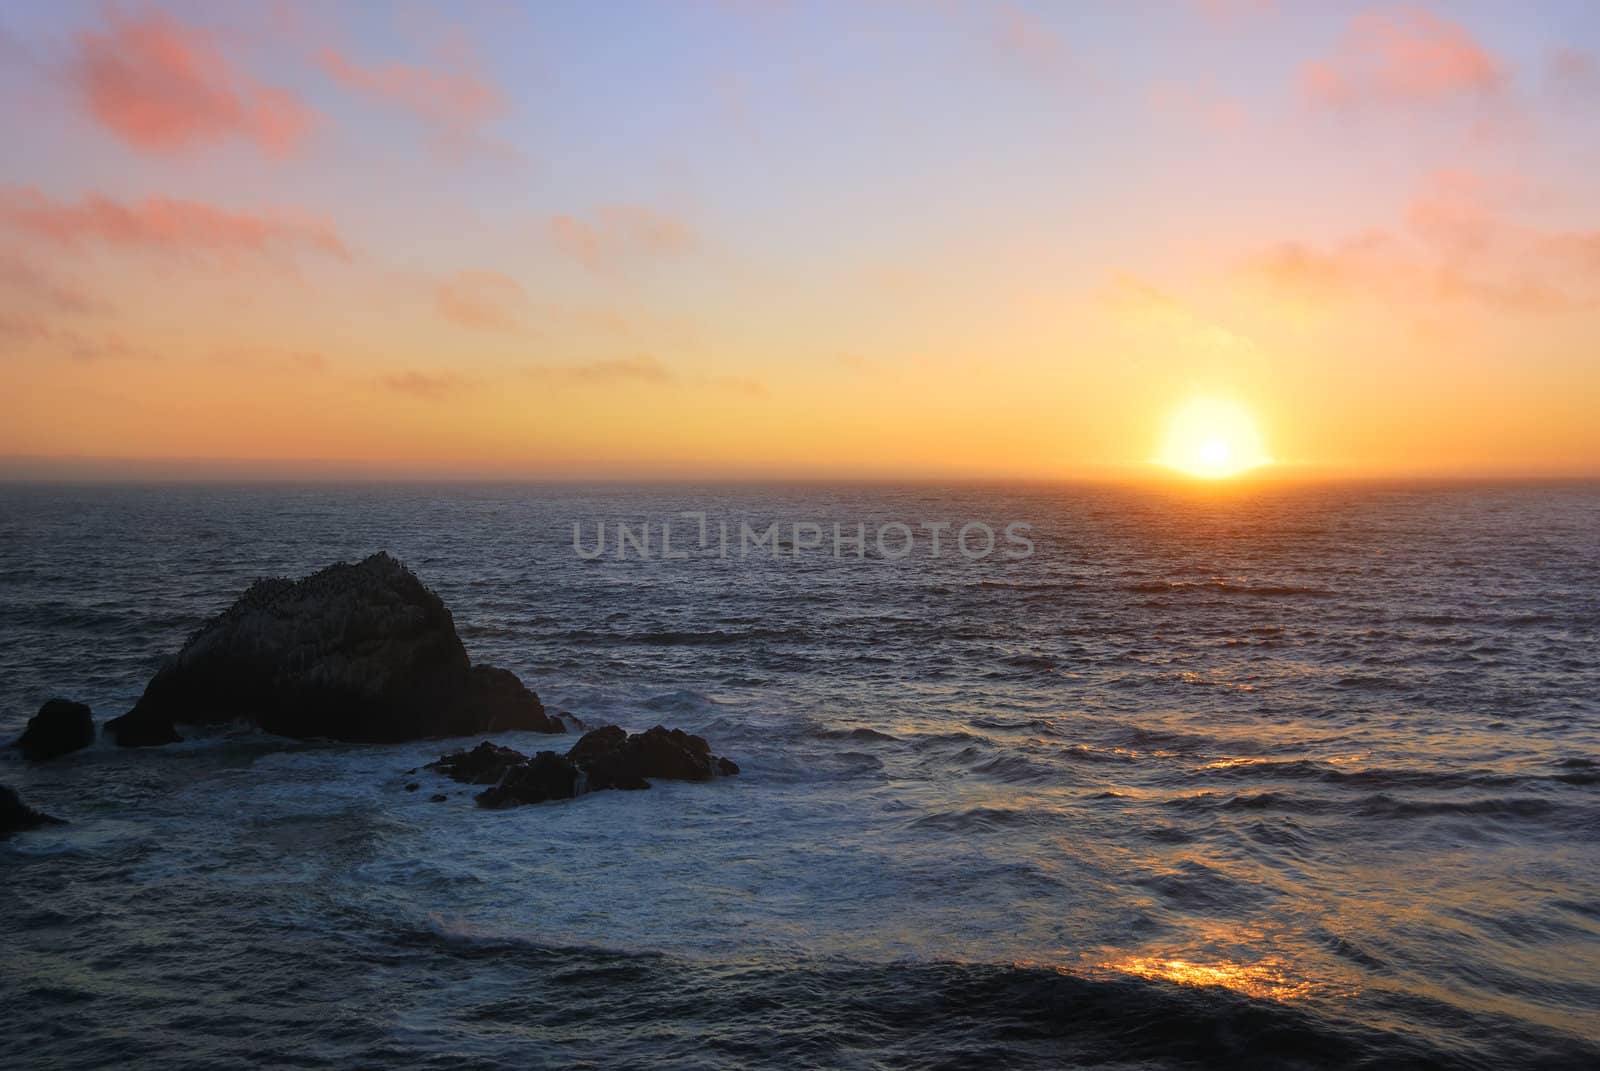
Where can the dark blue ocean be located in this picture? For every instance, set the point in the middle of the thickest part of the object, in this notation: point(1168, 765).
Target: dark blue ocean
point(1255, 776)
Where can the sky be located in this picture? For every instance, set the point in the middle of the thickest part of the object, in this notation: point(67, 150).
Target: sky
point(756, 239)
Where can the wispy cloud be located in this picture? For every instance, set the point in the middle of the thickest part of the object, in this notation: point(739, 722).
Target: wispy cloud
point(1403, 57)
point(166, 225)
point(24, 279)
point(160, 86)
point(617, 234)
point(427, 386)
point(1028, 44)
point(482, 300)
point(1201, 107)
point(640, 368)
point(1461, 243)
point(454, 99)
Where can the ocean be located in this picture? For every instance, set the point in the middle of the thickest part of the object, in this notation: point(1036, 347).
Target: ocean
point(1266, 775)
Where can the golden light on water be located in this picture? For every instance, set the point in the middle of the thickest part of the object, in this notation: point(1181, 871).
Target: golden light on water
point(1213, 438)
point(1263, 980)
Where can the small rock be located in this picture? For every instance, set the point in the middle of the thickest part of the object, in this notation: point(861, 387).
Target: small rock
point(16, 816)
point(60, 727)
point(438, 797)
point(546, 776)
point(483, 765)
point(412, 787)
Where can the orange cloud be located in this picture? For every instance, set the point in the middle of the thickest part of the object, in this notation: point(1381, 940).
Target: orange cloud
point(617, 233)
point(163, 224)
point(162, 86)
point(1405, 56)
point(21, 278)
point(421, 385)
point(482, 299)
point(1457, 211)
point(455, 103)
point(642, 368)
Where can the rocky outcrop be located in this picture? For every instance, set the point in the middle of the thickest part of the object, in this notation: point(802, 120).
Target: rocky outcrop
point(60, 728)
point(16, 816)
point(546, 776)
point(354, 652)
point(483, 765)
point(612, 758)
point(602, 759)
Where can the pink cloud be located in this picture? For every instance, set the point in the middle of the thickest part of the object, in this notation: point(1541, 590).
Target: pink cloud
point(22, 278)
point(1205, 109)
point(482, 299)
point(454, 102)
point(162, 86)
point(163, 224)
point(1030, 44)
point(1458, 211)
point(618, 233)
point(1402, 57)
point(1231, 10)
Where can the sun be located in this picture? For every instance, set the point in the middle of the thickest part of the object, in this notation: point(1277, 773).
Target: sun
point(1213, 438)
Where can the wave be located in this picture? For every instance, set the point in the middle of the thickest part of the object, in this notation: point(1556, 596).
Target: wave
point(686, 637)
point(1226, 587)
point(824, 1012)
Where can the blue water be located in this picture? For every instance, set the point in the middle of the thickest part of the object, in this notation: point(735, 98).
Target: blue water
point(1265, 776)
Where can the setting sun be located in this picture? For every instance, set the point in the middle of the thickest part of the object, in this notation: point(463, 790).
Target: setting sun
point(1212, 438)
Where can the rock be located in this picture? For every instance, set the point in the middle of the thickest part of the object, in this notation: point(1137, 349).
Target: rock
point(412, 786)
point(354, 652)
point(496, 701)
point(16, 816)
point(602, 755)
point(128, 731)
point(60, 727)
point(438, 797)
point(613, 759)
point(483, 765)
point(602, 759)
point(546, 776)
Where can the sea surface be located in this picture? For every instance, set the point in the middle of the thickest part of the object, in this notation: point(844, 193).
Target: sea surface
point(1244, 776)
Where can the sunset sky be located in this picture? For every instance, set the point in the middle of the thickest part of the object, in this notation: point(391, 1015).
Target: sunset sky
point(751, 238)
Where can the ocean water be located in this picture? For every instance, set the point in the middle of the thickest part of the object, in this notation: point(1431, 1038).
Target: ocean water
point(1252, 777)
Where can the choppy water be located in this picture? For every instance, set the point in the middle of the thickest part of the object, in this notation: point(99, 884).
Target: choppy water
point(1263, 777)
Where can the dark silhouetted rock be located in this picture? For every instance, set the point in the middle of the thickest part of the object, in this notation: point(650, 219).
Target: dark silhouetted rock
point(496, 701)
point(60, 727)
point(483, 765)
point(602, 759)
point(16, 816)
point(546, 776)
point(613, 759)
point(438, 797)
point(354, 652)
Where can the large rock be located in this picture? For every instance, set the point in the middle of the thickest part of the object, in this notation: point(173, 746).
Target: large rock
point(602, 759)
point(60, 727)
point(16, 816)
point(354, 652)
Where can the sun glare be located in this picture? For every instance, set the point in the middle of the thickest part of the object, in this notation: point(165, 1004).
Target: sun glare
point(1213, 438)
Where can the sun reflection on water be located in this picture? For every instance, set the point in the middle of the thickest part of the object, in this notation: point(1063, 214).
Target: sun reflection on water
point(1265, 980)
